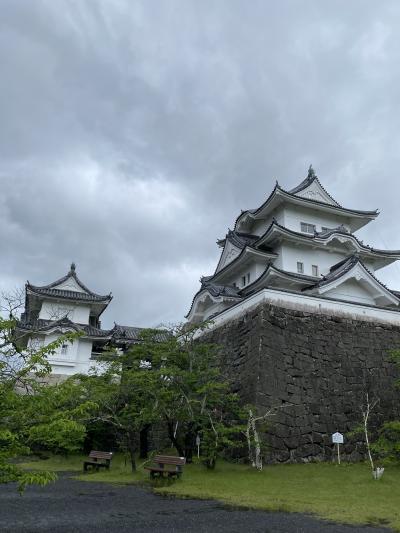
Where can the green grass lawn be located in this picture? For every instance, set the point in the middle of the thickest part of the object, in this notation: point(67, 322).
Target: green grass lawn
point(345, 493)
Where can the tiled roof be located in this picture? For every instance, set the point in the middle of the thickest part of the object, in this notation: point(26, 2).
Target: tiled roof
point(337, 229)
point(220, 290)
point(117, 333)
point(126, 332)
point(311, 177)
point(340, 269)
point(216, 290)
point(291, 193)
point(325, 234)
point(45, 325)
point(248, 289)
point(68, 294)
point(50, 290)
point(238, 239)
point(132, 333)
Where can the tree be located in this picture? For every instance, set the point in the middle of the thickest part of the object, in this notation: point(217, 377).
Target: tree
point(125, 393)
point(368, 402)
point(170, 378)
point(254, 443)
point(192, 397)
point(388, 442)
point(21, 371)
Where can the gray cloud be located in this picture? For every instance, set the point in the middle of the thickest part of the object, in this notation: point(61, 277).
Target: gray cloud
point(132, 133)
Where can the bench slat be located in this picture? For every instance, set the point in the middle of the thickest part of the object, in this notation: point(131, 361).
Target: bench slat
point(166, 470)
point(100, 455)
point(169, 460)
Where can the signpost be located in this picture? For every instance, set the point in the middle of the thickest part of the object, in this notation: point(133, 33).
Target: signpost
point(337, 438)
point(198, 446)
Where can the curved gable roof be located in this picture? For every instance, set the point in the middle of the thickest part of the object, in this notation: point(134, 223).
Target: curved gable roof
point(292, 195)
point(311, 179)
point(52, 290)
point(339, 270)
point(323, 237)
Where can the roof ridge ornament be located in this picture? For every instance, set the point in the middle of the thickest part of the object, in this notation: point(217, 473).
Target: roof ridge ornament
point(311, 173)
point(72, 268)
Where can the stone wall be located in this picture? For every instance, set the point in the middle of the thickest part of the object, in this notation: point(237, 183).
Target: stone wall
point(316, 364)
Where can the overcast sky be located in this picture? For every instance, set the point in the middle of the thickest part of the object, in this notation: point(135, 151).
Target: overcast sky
point(132, 133)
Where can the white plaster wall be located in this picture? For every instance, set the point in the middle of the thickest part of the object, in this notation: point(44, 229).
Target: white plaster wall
point(69, 285)
point(260, 226)
point(52, 310)
point(77, 359)
point(353, 291)
point(255, 270)
point(81, 314)
point(216, 308)
point(293, 216)
point(291, 254)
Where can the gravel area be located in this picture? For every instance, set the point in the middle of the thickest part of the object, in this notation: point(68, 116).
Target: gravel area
point(76, 506)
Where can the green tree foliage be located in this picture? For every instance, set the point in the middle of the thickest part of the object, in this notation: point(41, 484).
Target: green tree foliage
point(55, 418)
point(388, 443)
point(170, 378)
point(22, 370)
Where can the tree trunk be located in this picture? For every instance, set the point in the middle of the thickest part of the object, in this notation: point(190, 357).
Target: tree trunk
point(131, 445)
point(174, 440)
point(190, 443)
point(144, 442)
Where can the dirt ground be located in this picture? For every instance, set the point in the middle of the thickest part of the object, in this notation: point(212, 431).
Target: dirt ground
point(76, 506)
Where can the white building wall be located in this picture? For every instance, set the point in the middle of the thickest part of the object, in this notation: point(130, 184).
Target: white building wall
point(290, 254)
point(260, 226)
point(293, 216)
point(52, 310)
point(255, 270)
point(353, 291)
point(75, 360)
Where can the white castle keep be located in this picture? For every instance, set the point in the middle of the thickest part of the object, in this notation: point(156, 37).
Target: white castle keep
point(298, 249)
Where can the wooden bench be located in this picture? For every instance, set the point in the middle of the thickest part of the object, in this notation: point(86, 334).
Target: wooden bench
point(166, 460)
point(98, 460)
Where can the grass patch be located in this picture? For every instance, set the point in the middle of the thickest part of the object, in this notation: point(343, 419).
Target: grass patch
point(55, 463)
point(345, 493)
point(120, 470)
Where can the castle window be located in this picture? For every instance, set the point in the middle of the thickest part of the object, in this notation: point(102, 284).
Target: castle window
point(307, 228)
point(324, 228)
point(248, 277)
point(243, 281)
point(64, 349)
point(300, 267)
point(314, 270)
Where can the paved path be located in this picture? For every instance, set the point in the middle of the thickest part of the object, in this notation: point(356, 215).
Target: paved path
point(85, 507)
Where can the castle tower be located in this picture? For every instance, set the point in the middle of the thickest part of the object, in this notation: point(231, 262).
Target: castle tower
point(302, 320)
point(300, 246)
point(66, 305)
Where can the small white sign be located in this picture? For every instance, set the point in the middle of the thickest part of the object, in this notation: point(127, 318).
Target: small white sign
point(337, 438)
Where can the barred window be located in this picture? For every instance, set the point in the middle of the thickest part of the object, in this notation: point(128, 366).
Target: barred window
point(300, 267)
point(307, 228)
point(64, 349)
point(314, 270)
